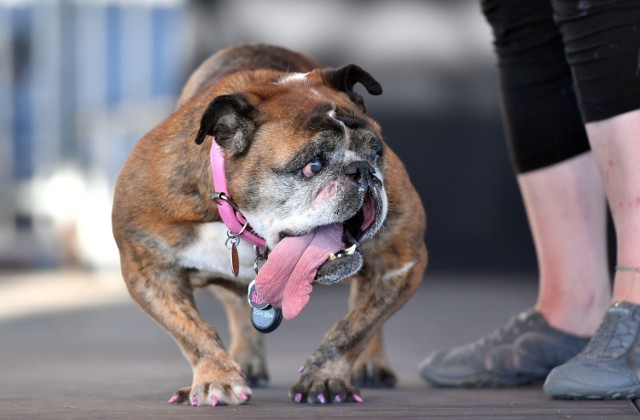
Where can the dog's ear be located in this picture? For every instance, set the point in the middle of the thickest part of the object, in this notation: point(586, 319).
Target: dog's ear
point(346, 77)
point(231, 120)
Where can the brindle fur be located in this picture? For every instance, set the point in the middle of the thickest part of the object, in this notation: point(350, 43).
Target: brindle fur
point(163, 194)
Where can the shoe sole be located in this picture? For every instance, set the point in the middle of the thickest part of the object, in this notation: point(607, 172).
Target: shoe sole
point(572, 390)
point(485, 380)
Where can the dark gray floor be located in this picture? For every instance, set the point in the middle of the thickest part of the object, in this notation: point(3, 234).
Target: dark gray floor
point(113, 362)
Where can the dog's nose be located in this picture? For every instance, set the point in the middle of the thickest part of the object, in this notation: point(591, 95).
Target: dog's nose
point(362, 173)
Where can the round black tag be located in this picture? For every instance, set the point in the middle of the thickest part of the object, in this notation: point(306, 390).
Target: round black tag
point(266, 320)
point(254, 298)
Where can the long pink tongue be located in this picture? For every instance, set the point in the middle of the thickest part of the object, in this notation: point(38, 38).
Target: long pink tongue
point(285, 278)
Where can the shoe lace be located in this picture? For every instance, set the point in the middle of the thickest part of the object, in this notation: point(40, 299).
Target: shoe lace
point(510, 330)
point(616, 333)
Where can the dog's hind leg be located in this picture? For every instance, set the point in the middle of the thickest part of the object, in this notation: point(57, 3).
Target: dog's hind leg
point(371, 369)
point(247, 345)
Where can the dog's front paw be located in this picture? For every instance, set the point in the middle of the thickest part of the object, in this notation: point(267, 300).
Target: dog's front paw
point(213, 387)
point(213, 394)
point(320, 387)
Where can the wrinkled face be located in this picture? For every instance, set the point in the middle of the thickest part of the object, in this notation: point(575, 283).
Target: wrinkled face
point(314, 159)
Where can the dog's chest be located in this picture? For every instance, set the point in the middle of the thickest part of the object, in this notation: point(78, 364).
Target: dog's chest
point(209, 254)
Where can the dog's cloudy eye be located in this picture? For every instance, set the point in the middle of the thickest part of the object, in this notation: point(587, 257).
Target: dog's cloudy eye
point(313, 167)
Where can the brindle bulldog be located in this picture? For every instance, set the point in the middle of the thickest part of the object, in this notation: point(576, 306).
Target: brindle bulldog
point(268, 152)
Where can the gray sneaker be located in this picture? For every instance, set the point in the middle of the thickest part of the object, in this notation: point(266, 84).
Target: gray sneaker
point(609, 366)
point(521, 352)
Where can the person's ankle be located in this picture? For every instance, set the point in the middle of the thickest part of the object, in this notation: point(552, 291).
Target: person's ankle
point(627, 285)
point(576, 318)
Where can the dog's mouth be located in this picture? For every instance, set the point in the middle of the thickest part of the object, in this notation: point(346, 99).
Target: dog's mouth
point(325, 255)
point(355, 228)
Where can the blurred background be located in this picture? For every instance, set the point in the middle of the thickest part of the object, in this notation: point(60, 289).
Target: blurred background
point(81, 81)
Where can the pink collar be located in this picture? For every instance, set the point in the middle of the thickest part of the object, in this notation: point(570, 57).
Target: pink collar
point(229, 212)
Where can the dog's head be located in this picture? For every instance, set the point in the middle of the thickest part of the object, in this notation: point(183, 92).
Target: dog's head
point(302, 156)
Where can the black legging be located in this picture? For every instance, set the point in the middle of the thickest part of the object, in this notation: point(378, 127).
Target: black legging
point(563, 63)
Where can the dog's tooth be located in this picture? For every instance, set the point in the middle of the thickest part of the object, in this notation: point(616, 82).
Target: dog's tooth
point(332, 256)
point(351, 249)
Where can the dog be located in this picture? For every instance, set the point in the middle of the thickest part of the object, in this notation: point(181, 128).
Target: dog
point(307, 178)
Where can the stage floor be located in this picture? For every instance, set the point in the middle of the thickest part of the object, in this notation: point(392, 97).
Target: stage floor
point(74, 346)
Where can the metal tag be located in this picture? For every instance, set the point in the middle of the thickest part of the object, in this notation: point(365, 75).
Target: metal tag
point(264, 317)
point(232, 243)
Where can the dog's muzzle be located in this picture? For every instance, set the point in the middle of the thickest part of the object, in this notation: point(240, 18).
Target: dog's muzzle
point(363, 174)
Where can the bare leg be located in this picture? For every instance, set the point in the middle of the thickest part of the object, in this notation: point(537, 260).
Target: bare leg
point(566, 210)
point(607, 367)
point(616, 145)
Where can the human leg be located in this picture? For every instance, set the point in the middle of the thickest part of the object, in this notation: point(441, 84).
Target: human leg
point(565, 207)
point(606, 368)
point(566, 212)
point(557, 178)
point(602, 45)
point(616, 146)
